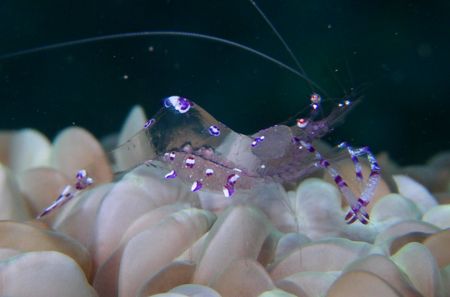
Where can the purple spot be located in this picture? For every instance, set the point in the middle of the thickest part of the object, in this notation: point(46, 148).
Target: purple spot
point(185, 104)
point(257, 140)
point(196, 186)
point(168, 102)
point(362, 202)
point(349, 215)
point(356, 208)
point(172, 156)
point(180, 104)
point(214, 130)
point(149, 123)
point(81, 174)
point(190, 162)
point(209, 172)
point(374, 173)
point(339, 181)
point(228, 190)
point(352, 220)
point(171, 174)
point(324, 163)
point(232, 179)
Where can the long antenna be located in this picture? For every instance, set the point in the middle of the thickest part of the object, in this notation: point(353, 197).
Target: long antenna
point(280, 38)
point(161, 33)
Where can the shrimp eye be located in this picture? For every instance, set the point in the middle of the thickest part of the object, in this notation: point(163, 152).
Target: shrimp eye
point(302, 123)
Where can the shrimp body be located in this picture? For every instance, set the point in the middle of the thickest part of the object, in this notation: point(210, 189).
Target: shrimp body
point(185, 142)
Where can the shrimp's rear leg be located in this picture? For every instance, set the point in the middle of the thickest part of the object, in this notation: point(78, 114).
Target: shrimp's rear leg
point(357, 205)
point(356, 163)
point(374, 176)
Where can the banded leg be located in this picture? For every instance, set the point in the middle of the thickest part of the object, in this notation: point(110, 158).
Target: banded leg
point(70, 191)
point(355, 160)
point(374, 176)
point(357, 205)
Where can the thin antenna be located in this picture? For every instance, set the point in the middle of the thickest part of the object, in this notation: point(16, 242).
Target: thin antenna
point(275, 31)
point(333, 71)
point(350, 74)
point(161, 33)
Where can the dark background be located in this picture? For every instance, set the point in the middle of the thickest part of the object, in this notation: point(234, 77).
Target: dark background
point(396, 53)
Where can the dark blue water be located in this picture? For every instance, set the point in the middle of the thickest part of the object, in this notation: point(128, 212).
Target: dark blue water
point(395, 53)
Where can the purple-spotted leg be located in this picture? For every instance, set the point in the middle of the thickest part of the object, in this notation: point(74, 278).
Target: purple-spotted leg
point(355, 160)
point(375, 170)
point(70, 191)
point(357, 205)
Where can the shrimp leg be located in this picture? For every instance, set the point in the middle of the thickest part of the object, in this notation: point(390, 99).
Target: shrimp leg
point(357, 205)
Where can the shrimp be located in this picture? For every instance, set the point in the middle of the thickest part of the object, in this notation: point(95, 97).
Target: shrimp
point(186, 142)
